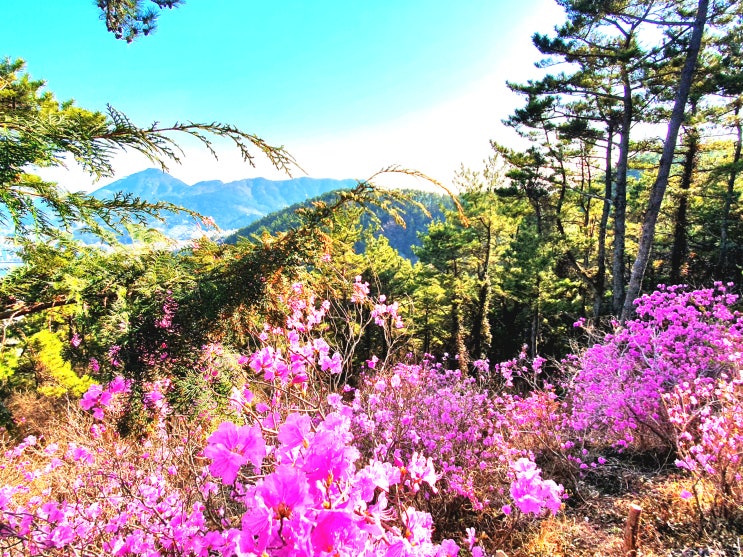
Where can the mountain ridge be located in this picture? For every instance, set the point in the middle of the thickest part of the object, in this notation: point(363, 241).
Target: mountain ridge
point(232, 205)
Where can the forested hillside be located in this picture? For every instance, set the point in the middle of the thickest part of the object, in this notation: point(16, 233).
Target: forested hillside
point(422, 209)
point(555, 369)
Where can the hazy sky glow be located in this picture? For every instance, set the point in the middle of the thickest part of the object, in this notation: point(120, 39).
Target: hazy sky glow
point(347, 87)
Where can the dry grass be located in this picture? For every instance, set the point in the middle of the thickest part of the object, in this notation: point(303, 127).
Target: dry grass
point(592, 522)
point(58, 422)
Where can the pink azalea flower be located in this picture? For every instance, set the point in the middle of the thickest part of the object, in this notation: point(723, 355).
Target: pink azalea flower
point(335, 530)
point(448, 548)
point(91, 396)
point(230, 447)
point(421, 471)
point(377, 474)
point(419, 526)
point(333, 365)
point(285, 491)
point(328, 458)
point(80, 454)
point(118, 385)
point(62, 535)
point(105, 399)
point(295, 431)
point(265, 361)
point(257, 528)
point(401, 548)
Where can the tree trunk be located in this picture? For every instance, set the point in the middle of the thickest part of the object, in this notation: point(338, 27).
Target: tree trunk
point(535, 319)
point(481, 334)
point(457, 340)
point(620, 197)
point(632, 531)
point(666, 160)
point(723, 266)
point(461, 347)
point(601, 256)
point(681, 222)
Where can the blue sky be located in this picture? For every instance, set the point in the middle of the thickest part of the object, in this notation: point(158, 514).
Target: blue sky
point(348, 87)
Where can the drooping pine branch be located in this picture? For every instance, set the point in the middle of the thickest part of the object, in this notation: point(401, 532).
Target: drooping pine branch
point(38, 131)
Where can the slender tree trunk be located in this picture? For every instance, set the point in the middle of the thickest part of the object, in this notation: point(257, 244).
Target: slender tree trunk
point(620, 197)
point(681, 222)
point(587, 279)
point(666, 160)
point(482, 336)
point(723, 266)
point(535, 318)
point(601, 256)
point(460, 348)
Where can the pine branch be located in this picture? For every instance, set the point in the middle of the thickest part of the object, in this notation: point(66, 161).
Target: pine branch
point(36, 130)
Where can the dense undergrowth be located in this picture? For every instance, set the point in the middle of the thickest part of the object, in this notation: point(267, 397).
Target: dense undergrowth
point(291, 449)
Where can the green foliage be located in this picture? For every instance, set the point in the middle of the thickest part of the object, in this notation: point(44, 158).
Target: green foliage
point(8, 364)
point(52, 374)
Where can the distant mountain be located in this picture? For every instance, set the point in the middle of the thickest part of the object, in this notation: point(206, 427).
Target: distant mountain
point(232, 205)
point(403, 239)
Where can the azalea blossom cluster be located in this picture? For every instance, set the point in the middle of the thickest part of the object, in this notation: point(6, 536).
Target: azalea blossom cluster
point(678, 337)
point(97, 399)
point(271, 363)
point(360, 290)
point(281, 476)
point(707, 415)
point(101, 494)
point(532, 494)
point(316, 499)
point(276, 486)
point(475, 434)
point(303, 313)
point(295, 462)
point(383, 311)
point(672, 375)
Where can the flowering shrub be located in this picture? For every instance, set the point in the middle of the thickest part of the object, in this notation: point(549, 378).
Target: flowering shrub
point(707, 415)
point(282, 477)
point(94, 492)
point(679, 337)
point(291, 461)
point(284, 487)
point(473, 434)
